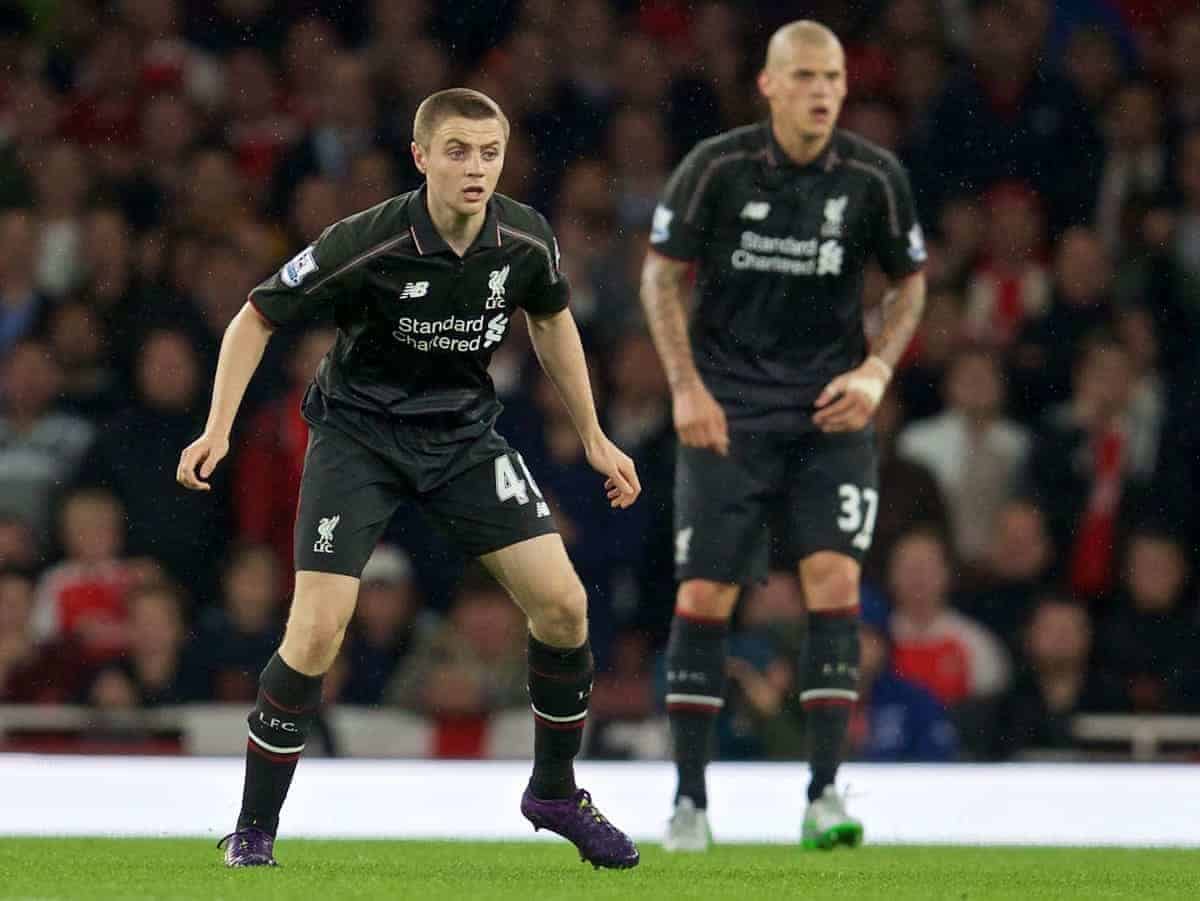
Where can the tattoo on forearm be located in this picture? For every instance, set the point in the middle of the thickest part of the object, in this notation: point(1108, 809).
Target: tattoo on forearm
point(902, 312)
point(663, 302)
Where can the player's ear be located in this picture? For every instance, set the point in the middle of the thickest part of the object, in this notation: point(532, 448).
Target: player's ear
point(419, 160)
point(763, 83)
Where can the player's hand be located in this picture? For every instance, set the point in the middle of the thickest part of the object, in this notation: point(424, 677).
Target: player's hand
point(699, 419)
point(848, 402)
point(622, 485)
point(205, 452)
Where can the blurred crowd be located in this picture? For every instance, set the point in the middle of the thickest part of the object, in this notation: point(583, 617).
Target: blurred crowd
point(1034, 545)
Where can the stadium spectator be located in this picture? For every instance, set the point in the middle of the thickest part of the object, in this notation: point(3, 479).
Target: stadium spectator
point(1185, 239)
point(1011, 284)
point(1005, 117)
point(62, 180)
point(934, 645)
point(1053, 684)
point(344, 128)
point(40, 448)
point(78, 339)
point(236, 638)
point(1089, 471)
point(83, 597)
point(185, 531)
point(170, 127)
point(18, 546)
point(1135, 165)
point(896, 720)
point(156, 669)
point(471, 665)
point(762, 717)
point(23, 307)
point(1147, 643)
point(388, 623)
point(1080, 305)
point(1017, 568)
point(974, 452)
point(31, 671)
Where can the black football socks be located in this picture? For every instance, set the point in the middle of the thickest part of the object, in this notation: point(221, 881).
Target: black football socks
point(695, 695)
point(560, 685)
point(279, 725)
point(830, 690)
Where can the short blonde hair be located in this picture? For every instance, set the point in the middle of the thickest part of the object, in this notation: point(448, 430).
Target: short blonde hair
point(463, 102)
point(802, 31)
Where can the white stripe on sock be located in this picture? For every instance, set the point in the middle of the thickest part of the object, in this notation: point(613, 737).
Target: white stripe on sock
point(704, 700)
point(274, 750)
point(573, 718)
point(817, 694)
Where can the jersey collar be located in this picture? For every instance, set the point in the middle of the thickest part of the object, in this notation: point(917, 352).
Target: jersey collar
point(428, 240)
point(777, 157)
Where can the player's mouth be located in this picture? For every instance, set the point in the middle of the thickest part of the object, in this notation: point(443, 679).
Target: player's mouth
point(820, 113)
point(474, 193)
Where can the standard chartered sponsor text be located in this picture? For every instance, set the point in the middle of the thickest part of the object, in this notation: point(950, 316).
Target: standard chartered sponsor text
point(809, 257)
point(450, 334)
point(788, 245)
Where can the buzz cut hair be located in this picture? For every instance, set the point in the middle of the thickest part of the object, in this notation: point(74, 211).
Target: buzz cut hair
point(462, 102)
point(803, 31)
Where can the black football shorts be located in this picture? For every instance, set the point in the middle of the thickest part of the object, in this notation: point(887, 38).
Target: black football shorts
point(774, 500)
point(349, 493)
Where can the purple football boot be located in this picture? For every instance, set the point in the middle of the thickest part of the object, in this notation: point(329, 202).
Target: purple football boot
point(249, 848)
point(577, 820)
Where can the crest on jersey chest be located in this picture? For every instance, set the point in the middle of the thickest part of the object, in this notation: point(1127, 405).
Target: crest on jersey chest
point(835, 216)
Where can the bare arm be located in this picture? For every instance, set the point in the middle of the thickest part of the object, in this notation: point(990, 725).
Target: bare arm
point(699, 419)
point(242, 348)
point(903, 307)
point(560, 352)
point(848, 402)
point(663, 302)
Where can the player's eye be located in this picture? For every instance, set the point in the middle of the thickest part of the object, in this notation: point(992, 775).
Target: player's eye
point(490, 154)
point(456, 153)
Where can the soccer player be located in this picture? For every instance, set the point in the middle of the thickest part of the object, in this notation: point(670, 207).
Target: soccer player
point(773, 394)
point(422, 288)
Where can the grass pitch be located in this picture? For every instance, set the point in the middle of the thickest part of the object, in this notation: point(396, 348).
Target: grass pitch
point(81, 869)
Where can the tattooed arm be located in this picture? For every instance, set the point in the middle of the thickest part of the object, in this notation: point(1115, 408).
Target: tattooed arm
point(848, 402)
point(903, 307)
point(699, 419)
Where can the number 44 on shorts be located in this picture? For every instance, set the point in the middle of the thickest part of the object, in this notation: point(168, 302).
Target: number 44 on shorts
point(860, 506)
point(509, 485)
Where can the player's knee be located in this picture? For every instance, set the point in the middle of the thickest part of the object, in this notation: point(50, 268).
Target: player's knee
point(709, 600)
point(831, 581)
point(562, 620)
point(313, 635)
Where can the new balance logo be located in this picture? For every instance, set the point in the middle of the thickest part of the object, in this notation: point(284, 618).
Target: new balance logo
point(495, 330)
point(757, 210)
point(412, 290)
point(325, 527)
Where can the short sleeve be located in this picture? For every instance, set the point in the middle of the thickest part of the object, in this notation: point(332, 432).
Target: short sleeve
point(550, 290)
point(900, 243)
point(683, 218)
point(304, 285)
